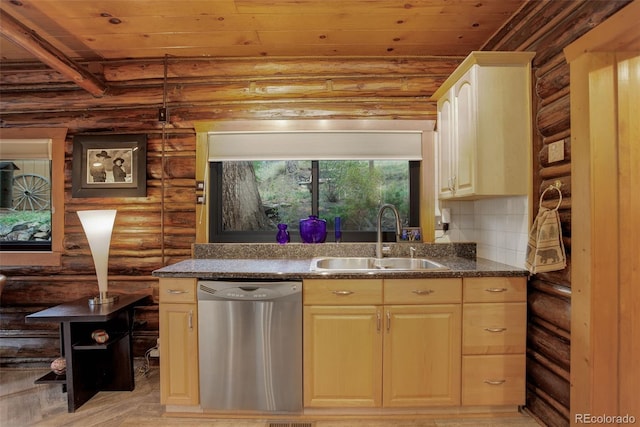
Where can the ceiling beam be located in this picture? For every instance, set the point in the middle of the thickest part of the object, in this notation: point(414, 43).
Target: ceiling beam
point(29, 40)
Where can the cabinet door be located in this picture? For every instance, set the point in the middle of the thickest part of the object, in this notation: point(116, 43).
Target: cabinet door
point(342, 356)
point(179, 354)
point(422, 355)
point(446, 142)
point(465, 112)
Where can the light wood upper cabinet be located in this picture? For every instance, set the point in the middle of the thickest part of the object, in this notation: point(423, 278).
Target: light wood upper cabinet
point(484, 126)
point(445, 144)
point(179, 375)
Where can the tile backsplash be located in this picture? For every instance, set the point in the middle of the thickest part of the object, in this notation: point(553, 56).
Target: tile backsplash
point(499, 226)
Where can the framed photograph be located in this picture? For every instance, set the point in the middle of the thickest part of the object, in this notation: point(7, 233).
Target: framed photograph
point(109, 166)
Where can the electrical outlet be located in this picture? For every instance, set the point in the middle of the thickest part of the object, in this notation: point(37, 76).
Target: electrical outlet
point(556, 151)
point(438, 222)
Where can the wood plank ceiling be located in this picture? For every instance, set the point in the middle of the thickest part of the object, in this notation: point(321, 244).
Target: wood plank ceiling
point(99, 30)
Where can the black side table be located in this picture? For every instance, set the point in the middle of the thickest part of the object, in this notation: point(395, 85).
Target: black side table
point(93, 367)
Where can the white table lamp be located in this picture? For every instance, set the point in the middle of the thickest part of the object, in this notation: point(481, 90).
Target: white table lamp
point(98, 225)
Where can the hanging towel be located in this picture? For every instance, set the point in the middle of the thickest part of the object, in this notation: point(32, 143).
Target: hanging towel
point(545, 250)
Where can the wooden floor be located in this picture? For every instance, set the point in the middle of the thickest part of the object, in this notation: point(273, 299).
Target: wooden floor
point(23, 403)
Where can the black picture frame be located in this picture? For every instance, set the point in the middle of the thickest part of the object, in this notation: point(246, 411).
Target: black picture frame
point(109, 165)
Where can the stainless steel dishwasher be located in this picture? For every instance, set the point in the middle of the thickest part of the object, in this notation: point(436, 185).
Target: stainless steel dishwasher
point(250, 345)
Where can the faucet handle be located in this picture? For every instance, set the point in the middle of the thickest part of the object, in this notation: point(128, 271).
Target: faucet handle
point(412, 251)
point(386, 249)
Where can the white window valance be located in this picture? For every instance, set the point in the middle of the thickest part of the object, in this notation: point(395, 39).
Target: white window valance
point(25, 149)
point(315, 145)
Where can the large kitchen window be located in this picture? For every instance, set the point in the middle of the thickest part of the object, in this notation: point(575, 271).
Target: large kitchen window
point(251, 197)
point(264, 173)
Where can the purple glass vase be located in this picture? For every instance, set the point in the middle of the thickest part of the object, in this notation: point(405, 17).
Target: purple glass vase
point(313, 229)
point(282, 236)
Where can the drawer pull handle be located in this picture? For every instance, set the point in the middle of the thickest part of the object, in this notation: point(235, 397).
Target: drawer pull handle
point(176, 291)
point(495, 329)
point(423, 291)
point(495, 382)
point(496, 289)
point(342, 293)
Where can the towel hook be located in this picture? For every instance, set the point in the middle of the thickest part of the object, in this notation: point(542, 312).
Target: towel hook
point(555, 186)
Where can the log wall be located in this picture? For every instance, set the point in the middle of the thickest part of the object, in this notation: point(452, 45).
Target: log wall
point(549, 300)
point(158, 229)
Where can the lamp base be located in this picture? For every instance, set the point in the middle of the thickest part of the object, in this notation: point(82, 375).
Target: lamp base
point(103, 298)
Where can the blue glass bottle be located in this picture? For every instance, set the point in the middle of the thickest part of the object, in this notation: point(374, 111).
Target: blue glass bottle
point(337, 227)
point(282, 236)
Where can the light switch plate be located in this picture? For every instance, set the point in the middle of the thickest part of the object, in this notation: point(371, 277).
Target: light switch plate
point(556, 151)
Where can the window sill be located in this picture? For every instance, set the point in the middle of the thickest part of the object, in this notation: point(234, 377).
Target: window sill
point(33, 259)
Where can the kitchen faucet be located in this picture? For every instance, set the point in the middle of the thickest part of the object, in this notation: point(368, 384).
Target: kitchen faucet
point(398, 227)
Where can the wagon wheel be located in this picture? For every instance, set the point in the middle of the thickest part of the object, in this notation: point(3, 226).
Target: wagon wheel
point(31, 192)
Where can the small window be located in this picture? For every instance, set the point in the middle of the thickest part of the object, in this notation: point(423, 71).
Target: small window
point(31, 196)
point(25, 205)
point(251, 197)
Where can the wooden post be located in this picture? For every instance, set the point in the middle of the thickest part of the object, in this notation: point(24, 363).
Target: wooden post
point(605, 348)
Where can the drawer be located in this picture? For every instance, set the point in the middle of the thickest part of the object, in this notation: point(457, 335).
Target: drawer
point(178, 290)
point(495, 289)
point(493, 380)
point(422, 291)
point(342, 292)
point(494, 328)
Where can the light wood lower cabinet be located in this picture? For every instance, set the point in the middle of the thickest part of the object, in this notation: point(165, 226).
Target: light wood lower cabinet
point(380, 343)
point(342, 356)
point(421, 355)
point(494, 324)
point(361, 352)
point(179, 382)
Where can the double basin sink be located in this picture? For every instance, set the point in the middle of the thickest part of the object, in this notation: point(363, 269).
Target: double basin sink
point(372, 264)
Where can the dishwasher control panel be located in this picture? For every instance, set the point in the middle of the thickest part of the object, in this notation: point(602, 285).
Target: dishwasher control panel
point(246, 290)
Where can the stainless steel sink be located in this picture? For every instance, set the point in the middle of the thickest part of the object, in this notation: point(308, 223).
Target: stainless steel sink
point(366, 264)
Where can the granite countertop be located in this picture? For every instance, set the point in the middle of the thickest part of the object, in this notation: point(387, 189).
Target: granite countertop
point(266, 261)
